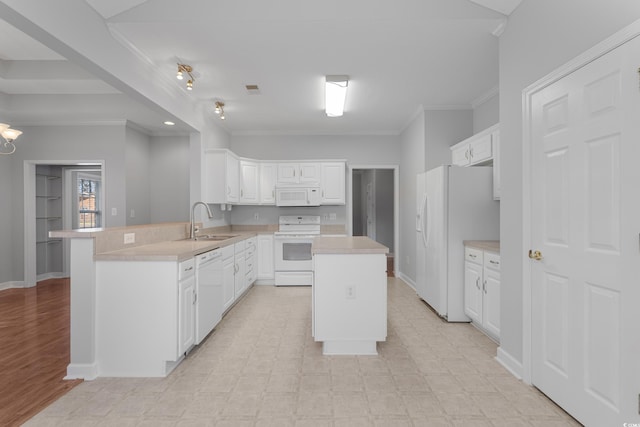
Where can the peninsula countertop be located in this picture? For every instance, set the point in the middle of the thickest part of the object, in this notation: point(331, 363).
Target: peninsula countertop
point(347, 245)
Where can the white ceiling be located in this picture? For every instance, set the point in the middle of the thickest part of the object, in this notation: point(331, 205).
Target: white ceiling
point(400, 55)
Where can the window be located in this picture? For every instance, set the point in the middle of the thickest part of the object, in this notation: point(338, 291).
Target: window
point(88, 202)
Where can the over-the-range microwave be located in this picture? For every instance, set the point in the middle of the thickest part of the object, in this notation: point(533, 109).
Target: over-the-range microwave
point(298, 196)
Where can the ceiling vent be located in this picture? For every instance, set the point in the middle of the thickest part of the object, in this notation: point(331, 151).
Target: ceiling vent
point(252, 89)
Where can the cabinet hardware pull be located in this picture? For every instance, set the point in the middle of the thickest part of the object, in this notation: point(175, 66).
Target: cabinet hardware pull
point(478, 283)
point(494, 262)
point(484, 286)
point(189, 269)
point(195, 297)
point(472, 255)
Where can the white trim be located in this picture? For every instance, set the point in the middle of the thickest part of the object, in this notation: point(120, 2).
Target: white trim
point(311, 133)
point(83, 371)
point(396, 202)
point(621, 37)
point(509, 362)
point(11, 285)
point(29, 191)
point(400, 275)
point(52, 275)
point(494, 91)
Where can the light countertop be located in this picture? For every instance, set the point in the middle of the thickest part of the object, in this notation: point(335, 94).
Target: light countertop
point(484, 245)
point(347, 245)
point(172, 250)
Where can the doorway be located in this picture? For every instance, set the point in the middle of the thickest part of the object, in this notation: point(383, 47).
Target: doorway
point(373, 212)
point(49, 206)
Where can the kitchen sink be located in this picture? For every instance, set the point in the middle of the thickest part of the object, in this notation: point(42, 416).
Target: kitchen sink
point(216, 237)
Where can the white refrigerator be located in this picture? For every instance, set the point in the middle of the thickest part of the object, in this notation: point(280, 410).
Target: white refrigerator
point(453, 204)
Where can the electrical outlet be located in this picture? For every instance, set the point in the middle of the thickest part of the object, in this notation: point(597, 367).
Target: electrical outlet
point(350, 292)
point(132, 214)
point(129, 238)
point(325, 217)
point(332, 216)
point(114, 211)
point(256, 216)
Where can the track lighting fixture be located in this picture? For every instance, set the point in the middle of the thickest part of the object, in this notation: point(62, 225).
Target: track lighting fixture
point(220, 109)
point(9, 136)
point(184, 68)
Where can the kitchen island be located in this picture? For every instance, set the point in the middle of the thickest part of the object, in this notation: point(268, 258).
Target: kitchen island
point(349, 295)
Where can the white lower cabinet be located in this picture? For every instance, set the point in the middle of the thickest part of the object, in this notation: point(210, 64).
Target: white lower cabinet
point(186, 307)
point(265, 266)
point(240, 281)
point(250, 261)
point(228, 276)
point(482, 290)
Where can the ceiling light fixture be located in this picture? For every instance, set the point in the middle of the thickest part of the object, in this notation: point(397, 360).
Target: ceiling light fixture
point(335, 94)
point(184, 68)
point(220, 109)
point(9, 135)
point(169, 123)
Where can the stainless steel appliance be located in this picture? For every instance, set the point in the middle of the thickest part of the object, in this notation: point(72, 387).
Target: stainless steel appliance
point(292, 242)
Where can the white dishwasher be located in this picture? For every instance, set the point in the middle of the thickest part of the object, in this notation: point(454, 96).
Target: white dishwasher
point(209, 298)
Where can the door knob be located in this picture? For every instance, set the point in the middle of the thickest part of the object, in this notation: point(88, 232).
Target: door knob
point(537, 255)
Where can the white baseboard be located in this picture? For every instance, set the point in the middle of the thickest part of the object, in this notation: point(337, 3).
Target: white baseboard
point(47, 276)
point(82, 371)
point(11, 285)
point(265, 282)
point(407, 280)
point(510, 363)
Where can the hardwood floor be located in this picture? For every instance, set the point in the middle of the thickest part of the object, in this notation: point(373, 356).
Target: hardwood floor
point(34, 349)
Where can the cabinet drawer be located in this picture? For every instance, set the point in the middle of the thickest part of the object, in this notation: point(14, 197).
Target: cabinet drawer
point(239, 247)
point(250, 245)
point(186, 268)
point(492, 261)
point(473, 255)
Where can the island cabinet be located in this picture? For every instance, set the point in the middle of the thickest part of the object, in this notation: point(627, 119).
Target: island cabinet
point(144, 316)
point(349, 294)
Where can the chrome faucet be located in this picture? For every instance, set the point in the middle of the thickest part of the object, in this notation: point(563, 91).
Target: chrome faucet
point(192, 232)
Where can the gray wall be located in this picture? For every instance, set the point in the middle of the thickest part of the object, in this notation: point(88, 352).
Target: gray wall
point(169, 178)
point(486, 114)
point(541, 36)
point(137, 173)
point(444, 128)
point(412, 152)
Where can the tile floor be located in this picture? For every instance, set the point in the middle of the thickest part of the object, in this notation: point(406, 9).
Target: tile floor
point(260, 367)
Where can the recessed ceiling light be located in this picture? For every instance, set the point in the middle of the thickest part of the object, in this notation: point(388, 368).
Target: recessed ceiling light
point(168, 123)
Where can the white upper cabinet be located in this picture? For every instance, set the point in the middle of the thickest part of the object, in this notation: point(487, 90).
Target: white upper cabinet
point(299, 173)
point(482, 148)
point(333, 183)
point(222, 172)
point(268, 177)
point(249, 177)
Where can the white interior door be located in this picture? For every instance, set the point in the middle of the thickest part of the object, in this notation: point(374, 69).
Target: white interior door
point(586, 223)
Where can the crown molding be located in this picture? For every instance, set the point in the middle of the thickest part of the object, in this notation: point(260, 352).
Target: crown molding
point(494, 91)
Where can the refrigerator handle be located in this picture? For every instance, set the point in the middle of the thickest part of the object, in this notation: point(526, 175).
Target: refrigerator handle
point(426, 221)
point(420, 214)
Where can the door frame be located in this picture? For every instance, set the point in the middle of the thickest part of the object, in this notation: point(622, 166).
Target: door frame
point(29, 201)
point(396, 200)
point(607, 45)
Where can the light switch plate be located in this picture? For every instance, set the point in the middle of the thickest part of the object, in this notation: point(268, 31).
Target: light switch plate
point(129, 238)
